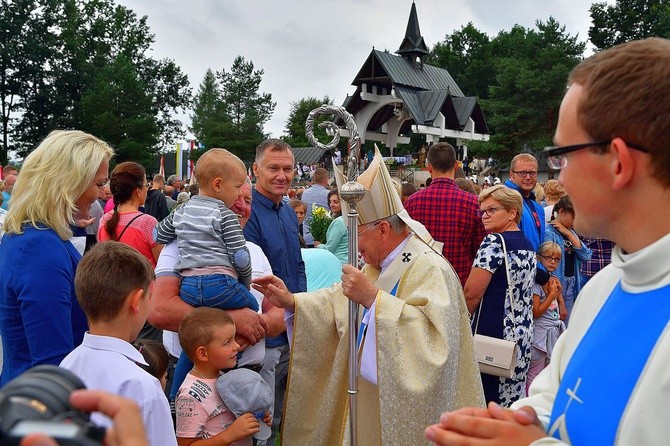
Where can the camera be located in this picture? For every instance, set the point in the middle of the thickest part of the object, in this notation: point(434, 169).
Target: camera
point(38, 401)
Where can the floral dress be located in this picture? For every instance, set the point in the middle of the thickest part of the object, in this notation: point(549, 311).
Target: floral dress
point(496, 319)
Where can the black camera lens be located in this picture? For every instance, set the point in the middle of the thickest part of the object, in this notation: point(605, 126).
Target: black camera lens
point(42, 394)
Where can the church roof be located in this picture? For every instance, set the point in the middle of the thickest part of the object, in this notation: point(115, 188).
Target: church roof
point(387, 69)
point(413, 44)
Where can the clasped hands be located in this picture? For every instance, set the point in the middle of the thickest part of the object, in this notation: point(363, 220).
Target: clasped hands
point(495, 425)
point(355, 286)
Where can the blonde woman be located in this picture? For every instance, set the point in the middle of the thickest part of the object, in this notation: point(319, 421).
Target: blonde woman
point(486, 288)
point(40, 319)
point(553, 191)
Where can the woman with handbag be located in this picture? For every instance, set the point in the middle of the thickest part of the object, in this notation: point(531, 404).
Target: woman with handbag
point(498, 292)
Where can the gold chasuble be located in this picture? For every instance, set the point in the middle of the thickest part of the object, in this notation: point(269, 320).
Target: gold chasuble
point(425, 357)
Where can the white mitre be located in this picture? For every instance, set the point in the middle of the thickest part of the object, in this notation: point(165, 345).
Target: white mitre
point(382, 199)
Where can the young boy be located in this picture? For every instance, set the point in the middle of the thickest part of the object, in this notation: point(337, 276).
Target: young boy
point(207, 336)
point(212, 251)
point(112, 285)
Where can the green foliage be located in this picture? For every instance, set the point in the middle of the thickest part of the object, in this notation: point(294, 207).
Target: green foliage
point(519, 76)
point(229, 111)
point(467, 55)
point(117, 109)
point(295, 124)
point(628, 20)
point(57, 54)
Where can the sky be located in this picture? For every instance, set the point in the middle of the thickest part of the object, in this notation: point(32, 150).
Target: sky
point(312, 48)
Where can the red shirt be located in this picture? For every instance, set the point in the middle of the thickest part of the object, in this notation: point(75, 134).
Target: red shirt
point(450, 215)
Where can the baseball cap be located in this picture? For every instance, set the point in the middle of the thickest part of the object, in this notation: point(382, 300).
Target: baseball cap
point(245, 391)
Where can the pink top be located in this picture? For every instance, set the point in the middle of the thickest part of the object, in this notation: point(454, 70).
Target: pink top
point(139, 235)
point(109, 205)
point(200, 410)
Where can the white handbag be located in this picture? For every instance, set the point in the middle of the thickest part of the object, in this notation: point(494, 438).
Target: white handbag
point(495, 356)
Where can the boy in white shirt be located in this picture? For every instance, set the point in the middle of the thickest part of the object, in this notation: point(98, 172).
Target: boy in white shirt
point(113, 283)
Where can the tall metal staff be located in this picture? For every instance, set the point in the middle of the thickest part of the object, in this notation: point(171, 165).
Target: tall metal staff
point(351, 192)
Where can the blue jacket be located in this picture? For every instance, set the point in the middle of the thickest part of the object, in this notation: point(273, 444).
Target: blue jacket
point(581, 255)
point(532, 219)
point(40, 319)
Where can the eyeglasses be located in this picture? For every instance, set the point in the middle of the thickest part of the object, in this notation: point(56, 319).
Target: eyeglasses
point(488, 211)
point(525, 173)
point(550, 258)
point(369, 227)
point(557, 159)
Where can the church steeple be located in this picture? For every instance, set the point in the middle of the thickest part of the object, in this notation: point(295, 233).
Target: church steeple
point(413, 46)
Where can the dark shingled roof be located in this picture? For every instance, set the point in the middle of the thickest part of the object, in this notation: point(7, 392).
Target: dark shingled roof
point(308, 155)
point(413, 44)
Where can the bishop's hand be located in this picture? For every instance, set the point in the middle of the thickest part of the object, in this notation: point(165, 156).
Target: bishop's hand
point(274, 290)
point(357, 287)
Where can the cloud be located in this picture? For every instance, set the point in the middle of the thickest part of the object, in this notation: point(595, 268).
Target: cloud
point(316, 47)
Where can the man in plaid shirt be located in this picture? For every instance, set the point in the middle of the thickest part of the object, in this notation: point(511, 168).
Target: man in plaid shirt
point(449, 213)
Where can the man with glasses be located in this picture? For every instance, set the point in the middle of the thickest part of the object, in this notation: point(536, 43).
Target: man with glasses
point(523, 178)
point(608, 379)
point(415, 341)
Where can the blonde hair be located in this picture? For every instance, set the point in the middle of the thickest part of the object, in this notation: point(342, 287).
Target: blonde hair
point(53, 177)
point(508, 198)
point(550, 248)
point(538, 190)
point(553, 191)
point(216, 163)
point(522, 157)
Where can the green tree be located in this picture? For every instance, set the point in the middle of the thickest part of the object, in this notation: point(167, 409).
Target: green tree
point(467, 55)
point(117, 109)
point(69, 43)
point(295, 124)
point(628, 20)
point(245, 109)
point(207, 118)
point(531, 68)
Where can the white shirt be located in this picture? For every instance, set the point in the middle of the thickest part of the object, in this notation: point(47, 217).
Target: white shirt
point(106, 363)
point(260, 266)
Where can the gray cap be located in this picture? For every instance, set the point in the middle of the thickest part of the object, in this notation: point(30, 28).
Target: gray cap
point(245, 391)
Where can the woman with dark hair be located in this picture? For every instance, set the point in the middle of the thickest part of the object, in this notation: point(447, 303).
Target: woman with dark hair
point(559, 230)
point(125, 223)
point(337, 237)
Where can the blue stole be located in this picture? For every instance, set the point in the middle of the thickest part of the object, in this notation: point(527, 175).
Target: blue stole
point(606, 365)
point(364, 327)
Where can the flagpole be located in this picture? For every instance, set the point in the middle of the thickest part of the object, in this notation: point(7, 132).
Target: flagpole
point(351, 192)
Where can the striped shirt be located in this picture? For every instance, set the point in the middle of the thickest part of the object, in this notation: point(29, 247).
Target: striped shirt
point(208, 234)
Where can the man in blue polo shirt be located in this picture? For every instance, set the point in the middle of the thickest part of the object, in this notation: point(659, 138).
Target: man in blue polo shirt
point(274, 227)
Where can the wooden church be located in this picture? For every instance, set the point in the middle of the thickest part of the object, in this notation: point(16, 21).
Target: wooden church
point(399, 94)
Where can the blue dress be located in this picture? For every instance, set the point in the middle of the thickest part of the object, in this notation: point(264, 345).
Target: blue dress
point(496, 312)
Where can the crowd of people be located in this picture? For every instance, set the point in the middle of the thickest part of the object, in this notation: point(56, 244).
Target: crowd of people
point(225, 319)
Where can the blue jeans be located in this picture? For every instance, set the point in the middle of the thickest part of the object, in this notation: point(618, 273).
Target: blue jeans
point(216, 291)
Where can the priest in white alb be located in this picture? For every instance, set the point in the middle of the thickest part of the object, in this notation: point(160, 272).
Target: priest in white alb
point(415, 344)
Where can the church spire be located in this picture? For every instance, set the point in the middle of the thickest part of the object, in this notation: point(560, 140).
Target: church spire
point(413, 46)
